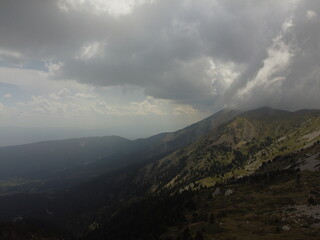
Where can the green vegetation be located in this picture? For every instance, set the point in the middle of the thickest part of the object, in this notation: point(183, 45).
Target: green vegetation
point(256, 210)
point(254, 176)
point(264, 205)
point(236, 148)
point(16, 184)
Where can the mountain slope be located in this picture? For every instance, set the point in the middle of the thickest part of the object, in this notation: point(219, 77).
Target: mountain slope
point(181, 138)
point(274, 203)
point(63, 163)
point(163, 198)
point(52, 156)
point(234, 149)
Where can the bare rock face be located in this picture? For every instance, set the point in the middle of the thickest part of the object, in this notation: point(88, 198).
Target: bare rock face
point(285, 228)
point(228, 192)
point(216, 192)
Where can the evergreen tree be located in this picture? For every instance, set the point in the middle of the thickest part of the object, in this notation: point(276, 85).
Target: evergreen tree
point(212, 220)
point(198, 236)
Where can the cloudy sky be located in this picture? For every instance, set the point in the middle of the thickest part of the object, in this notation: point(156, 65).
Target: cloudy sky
point(138, 67)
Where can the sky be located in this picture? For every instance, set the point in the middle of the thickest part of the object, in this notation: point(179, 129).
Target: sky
point(139, 67)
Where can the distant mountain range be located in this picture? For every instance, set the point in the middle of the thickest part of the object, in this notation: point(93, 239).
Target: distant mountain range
point(78, 159)
point(173, 185)
point(13, 135)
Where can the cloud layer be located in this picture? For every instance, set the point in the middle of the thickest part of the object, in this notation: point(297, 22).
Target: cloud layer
point(205, 55)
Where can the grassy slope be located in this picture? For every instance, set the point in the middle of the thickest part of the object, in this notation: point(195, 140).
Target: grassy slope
point(258, 208)
point(254, 141)
point(235, 149)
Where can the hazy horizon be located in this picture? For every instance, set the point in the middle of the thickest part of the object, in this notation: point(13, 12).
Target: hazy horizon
point(12, 135)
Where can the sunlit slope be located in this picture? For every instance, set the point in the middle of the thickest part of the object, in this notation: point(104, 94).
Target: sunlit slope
point(181, 138)
point(234, 149)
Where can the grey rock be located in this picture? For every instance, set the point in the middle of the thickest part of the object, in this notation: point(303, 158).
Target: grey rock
point(216, 192)
point(228, 192)
point(285, 228)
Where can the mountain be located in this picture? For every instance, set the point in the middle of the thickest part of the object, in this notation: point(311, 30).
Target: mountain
point(30, 166)
point(173, 141)
point(53, 156)
point(257, 172)
point(275, 202)
point(240, 175)
point(13, 135)
point(51, 164)
point(234, 149)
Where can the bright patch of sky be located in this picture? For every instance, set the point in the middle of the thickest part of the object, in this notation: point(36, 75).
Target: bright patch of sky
point(29, 98)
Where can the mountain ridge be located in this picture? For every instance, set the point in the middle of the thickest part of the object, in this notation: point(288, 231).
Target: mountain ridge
point(263, 149)
point(235, 137)
point(79, 159)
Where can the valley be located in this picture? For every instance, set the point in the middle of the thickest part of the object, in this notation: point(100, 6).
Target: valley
point(235, 175)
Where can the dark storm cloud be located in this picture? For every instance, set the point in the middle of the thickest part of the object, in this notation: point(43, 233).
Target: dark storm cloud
point(292, 83)
point(208, 54)
point(303, 80)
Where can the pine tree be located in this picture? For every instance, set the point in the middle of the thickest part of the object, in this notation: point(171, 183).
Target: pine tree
point(212, 220)
point(199, 236)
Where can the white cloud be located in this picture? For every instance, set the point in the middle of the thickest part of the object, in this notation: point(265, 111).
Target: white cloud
point(113, 7)
point(53, 67)
point(269, 78)
point(184, 110)
point(12, 57)
point(40, 104)
point(13, 54)
point(66, 104)
point(287, 25)
point(38, 82)
point(61, 94)
point(148, 106)
point(84, 95)
point(310, 15)
point(3, 109)
point(7, 95)
point(223, 75)
point(92, 50)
